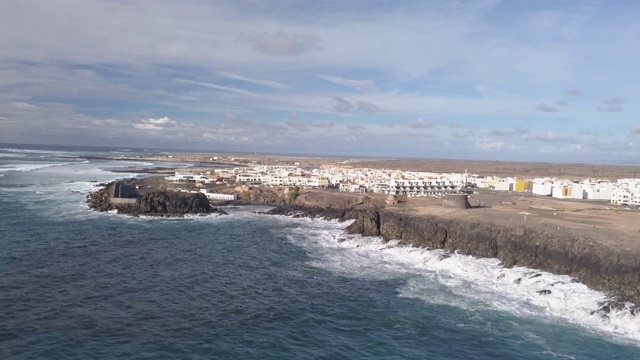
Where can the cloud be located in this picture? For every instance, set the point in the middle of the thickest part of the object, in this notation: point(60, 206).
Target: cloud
point(614, 101)
point(164, 120)
point(547, 108)
point(282, 43)
point(614, 108)
point(488, 146)
point(573, 92)
point(525, 134)
point(234, 129)
point(367, 107)
point(321, 123)
point(146, 126)
point(356, 127)
point(23, 105)
point(152, 124)
point(612, 104)
point(562, 103)
point(635, 129)
point(219, 87)
point(361, 85)
point(419, 123)
point(341, 105)
point(355, 132)
point(459, 133)
point(298, 125)
point(267, 83)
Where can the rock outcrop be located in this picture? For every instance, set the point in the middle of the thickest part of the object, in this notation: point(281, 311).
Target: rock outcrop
point(560, 253)
point(584, 259)
point(156, 203)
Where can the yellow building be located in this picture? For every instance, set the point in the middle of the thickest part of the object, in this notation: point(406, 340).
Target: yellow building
point(523, 185)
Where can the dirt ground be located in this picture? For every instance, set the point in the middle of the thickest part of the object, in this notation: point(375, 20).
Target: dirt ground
point(616, 227)
point(483, 168)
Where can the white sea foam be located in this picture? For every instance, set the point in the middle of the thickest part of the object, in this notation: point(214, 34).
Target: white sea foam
point(29, 167)
point(32, 151)
point(435, 276)
point(128, 163)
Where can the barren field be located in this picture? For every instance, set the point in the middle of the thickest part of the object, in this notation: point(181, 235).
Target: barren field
point(483, 168)
point(616, 227)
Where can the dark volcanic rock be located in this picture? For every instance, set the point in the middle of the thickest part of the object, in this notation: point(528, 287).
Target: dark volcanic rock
point(592, 263)
point(99, 200)
point(162, 203)
point(159, 202)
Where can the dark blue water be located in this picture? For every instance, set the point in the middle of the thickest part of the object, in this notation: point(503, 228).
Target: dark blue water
point(80, 285)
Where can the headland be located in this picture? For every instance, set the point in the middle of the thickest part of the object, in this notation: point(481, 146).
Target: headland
point(591, 241)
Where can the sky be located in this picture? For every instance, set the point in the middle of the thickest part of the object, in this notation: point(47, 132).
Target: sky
point(544, 80)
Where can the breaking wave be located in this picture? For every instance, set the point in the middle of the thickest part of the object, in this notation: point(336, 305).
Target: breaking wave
point(436, 276)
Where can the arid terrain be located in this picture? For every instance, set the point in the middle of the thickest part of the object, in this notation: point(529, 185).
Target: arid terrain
point(483, 168)
point(615, 227)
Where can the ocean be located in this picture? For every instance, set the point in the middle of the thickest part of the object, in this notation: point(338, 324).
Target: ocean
point(77, 284)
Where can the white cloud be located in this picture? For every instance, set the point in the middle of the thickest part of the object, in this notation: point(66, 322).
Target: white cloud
point(474, 62)
point(361, 85)
point(355, 132)
point(489, 146)
point(145, 126)
point(267, 83)
point(298, 125)
point(219, 87)
point(164, 120)
point(282, 43)
point(23, 105)
point(419, 123)
point(321, 123)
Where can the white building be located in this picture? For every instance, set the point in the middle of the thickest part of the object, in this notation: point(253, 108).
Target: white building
point(600, 191)
point(217, 196)
point(543, 189)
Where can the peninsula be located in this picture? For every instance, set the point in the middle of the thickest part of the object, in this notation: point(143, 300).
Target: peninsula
point(592, 241)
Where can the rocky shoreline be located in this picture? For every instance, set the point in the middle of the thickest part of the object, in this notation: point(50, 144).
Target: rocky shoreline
point(601, 267)
point(154, 203)
point(613, 272)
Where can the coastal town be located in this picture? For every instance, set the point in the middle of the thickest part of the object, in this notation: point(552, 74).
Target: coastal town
point(623, 192)
point(555, 223)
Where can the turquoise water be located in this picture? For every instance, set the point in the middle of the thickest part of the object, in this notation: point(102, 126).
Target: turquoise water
point(75, 284)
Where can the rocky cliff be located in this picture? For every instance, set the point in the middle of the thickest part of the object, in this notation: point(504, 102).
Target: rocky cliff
point(156, 203)
point(599, 267)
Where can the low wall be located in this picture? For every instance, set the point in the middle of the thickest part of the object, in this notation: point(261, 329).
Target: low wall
point(456, 201)
point(122, 200)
